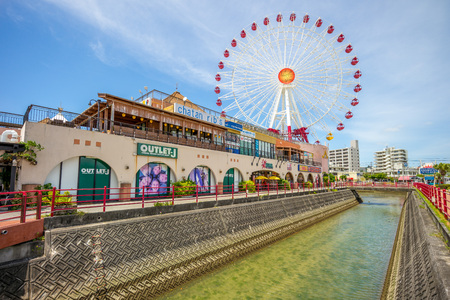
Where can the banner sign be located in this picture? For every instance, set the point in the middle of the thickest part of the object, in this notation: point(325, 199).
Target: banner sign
point(155, 150)
point(248, 133)
point(187, 111)
point(309, 169)
point(427, 170)
point(303, 168)
point(233, 125)
point(266, 165)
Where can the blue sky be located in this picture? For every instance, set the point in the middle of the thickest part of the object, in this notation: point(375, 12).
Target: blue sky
point(63, 52)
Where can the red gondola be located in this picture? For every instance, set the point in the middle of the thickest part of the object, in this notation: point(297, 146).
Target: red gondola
point(233, 43)
point(357, 74)
point(330, 29)
point(349, 115)
point(217, 90)
point(266, 21)
point(279, 18)
point(340, 126)
point(243, 34)
point(222, 114)
point(292, 17)
point(355, 60)
point(340, 38)
point(218, 77)
point(306, 19)
point(355, 102)
point(357, 88)
point(254, 26)
point(348, 49)
point(226, 53)
point(319, 23)
point(219, 102)
point(221, 65)
point(317, 142)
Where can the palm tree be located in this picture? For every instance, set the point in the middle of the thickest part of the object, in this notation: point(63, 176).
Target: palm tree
point(442, 169)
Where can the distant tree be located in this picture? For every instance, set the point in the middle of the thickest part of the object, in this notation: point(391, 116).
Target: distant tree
point(343, 177)
point(442, 168)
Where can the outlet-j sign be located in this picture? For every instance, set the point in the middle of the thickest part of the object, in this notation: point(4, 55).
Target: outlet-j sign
point(155, 150)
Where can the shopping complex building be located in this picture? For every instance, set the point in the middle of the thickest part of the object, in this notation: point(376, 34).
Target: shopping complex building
point(152, 142)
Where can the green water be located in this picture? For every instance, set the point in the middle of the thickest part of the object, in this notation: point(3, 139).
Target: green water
point(343, 257)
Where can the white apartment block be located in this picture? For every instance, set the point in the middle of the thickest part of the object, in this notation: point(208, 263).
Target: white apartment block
point(345, 160)
point(393, 162)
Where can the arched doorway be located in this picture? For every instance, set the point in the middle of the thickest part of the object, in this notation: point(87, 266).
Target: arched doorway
point(203, 178)
point(231, 179)
point(154, 179)
point(90, 175)
point(310, 178)
point(318, 180)
point(289, 177)
point(300, 178)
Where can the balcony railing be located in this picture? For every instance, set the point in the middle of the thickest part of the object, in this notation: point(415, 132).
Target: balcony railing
point(10, 119)
point(39, 114)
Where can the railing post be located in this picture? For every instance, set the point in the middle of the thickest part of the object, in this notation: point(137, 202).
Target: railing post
point(196, 193)
point(104, 198)
point(285, 189)
point(52, 210)
point(216, 192)
point(303, 185)
point(143, 195)
point(232, 192)
point(173, 195)
point(23, 208)
point(39, 206)
point(268, 189)
point(246, 191)
point(277, 188)
point(258, 189)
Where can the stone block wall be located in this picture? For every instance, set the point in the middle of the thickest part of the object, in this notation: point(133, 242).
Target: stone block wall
point(420, 262)
point(143, 257)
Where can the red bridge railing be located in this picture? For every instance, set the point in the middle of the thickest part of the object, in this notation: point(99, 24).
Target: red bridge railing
point(35, 204)
point(440, 198)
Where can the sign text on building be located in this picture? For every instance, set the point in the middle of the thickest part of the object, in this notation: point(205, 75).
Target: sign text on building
point(155, 150)
point(187, 111)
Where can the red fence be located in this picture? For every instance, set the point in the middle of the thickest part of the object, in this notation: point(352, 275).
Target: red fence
point(35, 204)
point(440, 198)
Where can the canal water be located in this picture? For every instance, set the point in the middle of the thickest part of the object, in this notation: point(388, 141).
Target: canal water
point(343, 257)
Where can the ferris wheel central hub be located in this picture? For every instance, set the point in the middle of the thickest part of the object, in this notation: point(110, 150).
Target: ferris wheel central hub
point(286, 76)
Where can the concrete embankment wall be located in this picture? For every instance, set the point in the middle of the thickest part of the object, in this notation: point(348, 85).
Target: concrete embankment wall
point(140, 258)
point(420, 261)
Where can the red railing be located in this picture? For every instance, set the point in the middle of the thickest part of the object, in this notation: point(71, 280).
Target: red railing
point(440, 198)
point(35, 204)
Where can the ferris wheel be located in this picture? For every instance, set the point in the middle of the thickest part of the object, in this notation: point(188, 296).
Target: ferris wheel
point(294, 76)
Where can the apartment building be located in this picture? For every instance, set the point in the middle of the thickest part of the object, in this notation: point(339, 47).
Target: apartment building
point(346, 160)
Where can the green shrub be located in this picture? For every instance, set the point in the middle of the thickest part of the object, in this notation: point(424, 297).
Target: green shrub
point(443, 186)
point(167, 203)
point(60, 200)
point(249, 184)
point(184, 187)
point(282, 183)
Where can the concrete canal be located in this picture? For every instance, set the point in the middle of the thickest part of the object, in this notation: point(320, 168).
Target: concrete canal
point(343, 257)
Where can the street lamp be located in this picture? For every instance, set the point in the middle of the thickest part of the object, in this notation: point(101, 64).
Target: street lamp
point(98, 111)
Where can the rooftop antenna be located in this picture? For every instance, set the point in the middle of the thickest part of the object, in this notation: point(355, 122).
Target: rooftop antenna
point(146, 89)
point(176, 87)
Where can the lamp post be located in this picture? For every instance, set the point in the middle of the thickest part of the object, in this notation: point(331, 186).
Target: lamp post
point(98, 111)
